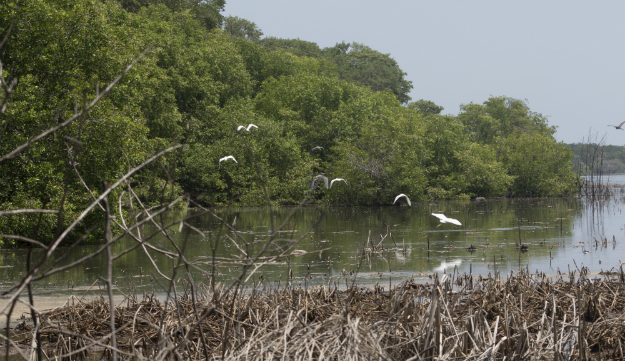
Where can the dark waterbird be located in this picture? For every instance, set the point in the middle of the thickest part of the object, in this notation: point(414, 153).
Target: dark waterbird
point(617, 126)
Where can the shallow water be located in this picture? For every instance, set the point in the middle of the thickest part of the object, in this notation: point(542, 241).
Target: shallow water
point(559, 234)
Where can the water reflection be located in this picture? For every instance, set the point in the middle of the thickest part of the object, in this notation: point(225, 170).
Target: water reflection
point(558, 233)
point(447, 266)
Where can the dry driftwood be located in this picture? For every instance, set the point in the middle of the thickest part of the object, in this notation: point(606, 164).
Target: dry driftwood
point(521, 316)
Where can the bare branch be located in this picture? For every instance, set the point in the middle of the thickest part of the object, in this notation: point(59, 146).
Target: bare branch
point(18, 211)
point(24, 239)
point(109, 274)
point(6, 36)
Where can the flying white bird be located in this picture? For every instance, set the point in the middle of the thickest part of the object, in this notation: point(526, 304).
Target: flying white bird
point(317, 147)
point(403, 195)
point(444, 219)
point(337, 180)
point(248, 127)
point(226, 158)
point(325, 179)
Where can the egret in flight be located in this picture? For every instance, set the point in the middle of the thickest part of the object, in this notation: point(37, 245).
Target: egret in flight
point(325, 179)
point(337, 180)
point(248, 127)
point(403, 195)
point(444, 219)
point(317, 148)
point(226, 158)
point(617, 126)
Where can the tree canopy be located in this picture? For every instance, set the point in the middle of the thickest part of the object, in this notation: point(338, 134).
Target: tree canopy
point(242, 28)
point(361, 65)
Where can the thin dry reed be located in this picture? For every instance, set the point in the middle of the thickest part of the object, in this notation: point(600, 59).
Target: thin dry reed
point(521, 317)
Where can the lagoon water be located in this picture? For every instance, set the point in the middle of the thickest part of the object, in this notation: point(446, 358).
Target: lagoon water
point(560, 233)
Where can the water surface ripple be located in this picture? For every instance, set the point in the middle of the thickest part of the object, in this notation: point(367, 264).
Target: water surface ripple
point(559, 233)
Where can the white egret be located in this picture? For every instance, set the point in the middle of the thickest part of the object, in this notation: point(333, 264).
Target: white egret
point(248, 127)
point(403, 195)
point(480, 199)
point(337, 180)
point(617, 126)
point(444, 219)
point(325, 179)
point(226, 158)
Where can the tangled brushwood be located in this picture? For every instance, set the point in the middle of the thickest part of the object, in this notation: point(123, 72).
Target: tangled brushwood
point(522, 316)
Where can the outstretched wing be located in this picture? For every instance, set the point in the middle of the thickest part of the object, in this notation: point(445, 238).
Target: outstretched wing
point(250, 127)
point(240, 127)
point(440, 216)
point(325, 179)
point(403, 195)
point(226, 158)
point(336, 180)
point(620, 125)
point(454, 221)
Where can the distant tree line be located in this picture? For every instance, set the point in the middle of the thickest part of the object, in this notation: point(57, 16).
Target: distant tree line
point(610, 159)
point(204, 75)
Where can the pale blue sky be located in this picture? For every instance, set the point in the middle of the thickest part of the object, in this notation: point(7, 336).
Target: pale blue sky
point(567, 58)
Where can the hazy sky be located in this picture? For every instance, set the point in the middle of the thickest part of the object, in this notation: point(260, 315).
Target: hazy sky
point(567, 58)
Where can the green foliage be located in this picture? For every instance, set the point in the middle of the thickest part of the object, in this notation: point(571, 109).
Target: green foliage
point(270, 150)
point(445, 140)
point(59, 52)
point(307, 106)
point(242, 28)
point(502, 117)
point(383, 158)
point(30, 225)
point(525, 145)
point(363, 66)
point(296, 47)
point(457, 167)
point(206, 12)
point(426, 107)
point(541, 166)
point(485, 176)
